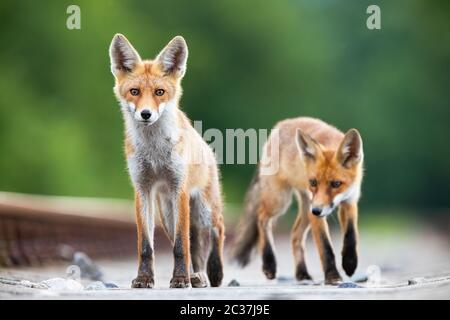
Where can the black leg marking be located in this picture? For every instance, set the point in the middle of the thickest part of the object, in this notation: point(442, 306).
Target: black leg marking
point(178, 252)
point(180, 273)
point(214, 266)
point(331, 274)
point(198, 240)
point(349, 253)
point(146, 265)
point(145, 278)
point(301, 272)
point(269, 261)
point(196, 248)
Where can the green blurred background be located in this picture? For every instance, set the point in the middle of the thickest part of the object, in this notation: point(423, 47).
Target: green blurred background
point(252, 63)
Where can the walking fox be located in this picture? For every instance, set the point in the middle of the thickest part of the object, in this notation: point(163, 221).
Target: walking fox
point(323, 168)
point(162, 151)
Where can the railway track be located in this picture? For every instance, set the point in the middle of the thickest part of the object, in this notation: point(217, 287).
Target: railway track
point(35, 229)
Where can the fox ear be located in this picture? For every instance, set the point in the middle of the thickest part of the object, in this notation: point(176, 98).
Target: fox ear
point(122, 54)
point(306, 145)
point(173, 57)
point(350, 151)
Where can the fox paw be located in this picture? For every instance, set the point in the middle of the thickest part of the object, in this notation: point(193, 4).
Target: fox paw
point(270, 272)
point(143, 282)
point(198, 280)
point(301, 273)
point(302, 276)
point(333, 278)
point(180, 282)
point(349, 261)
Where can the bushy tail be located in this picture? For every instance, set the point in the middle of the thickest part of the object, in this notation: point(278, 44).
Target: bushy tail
point(246, 236)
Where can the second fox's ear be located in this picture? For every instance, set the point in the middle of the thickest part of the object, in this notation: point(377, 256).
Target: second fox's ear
point(122, 54)
point(306, 145)
point(173, 57)
point(350, 151)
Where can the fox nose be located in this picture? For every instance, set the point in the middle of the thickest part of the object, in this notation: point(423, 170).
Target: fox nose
point(316, 211)
point(146, 114)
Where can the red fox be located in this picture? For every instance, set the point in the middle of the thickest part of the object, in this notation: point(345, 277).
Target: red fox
point(323, 168)
point(160, 146)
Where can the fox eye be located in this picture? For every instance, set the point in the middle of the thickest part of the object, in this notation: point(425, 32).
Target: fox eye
point(134, 92)
point(335, 184)
point(313, 183)
point(159, 92)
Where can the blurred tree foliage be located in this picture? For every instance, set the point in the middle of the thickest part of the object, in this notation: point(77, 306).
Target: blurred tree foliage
point(252, 63)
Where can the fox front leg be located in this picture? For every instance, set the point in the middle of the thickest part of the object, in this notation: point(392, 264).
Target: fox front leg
point(348, 216)
point(181, 249)
point(319, 228)
point(145, 228)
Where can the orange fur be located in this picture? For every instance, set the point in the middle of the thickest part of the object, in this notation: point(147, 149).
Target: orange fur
point(139, 224)
point(183, 226)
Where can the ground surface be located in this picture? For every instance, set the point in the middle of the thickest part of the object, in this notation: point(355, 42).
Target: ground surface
point(413, 266)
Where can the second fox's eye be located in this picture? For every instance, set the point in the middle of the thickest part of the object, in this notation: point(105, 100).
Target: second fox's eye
point(159, 92)
point(134, 92)
point(313, 183)
point(335, 184)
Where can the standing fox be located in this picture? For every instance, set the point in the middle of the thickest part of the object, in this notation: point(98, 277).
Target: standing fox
point(161, 148)
point(323, 168)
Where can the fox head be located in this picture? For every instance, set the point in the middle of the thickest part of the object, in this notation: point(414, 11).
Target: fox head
point(145, 88)
point(334, 176)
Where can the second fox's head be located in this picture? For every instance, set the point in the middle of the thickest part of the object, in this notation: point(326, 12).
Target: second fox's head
point(334, 176)
point(146, 88)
